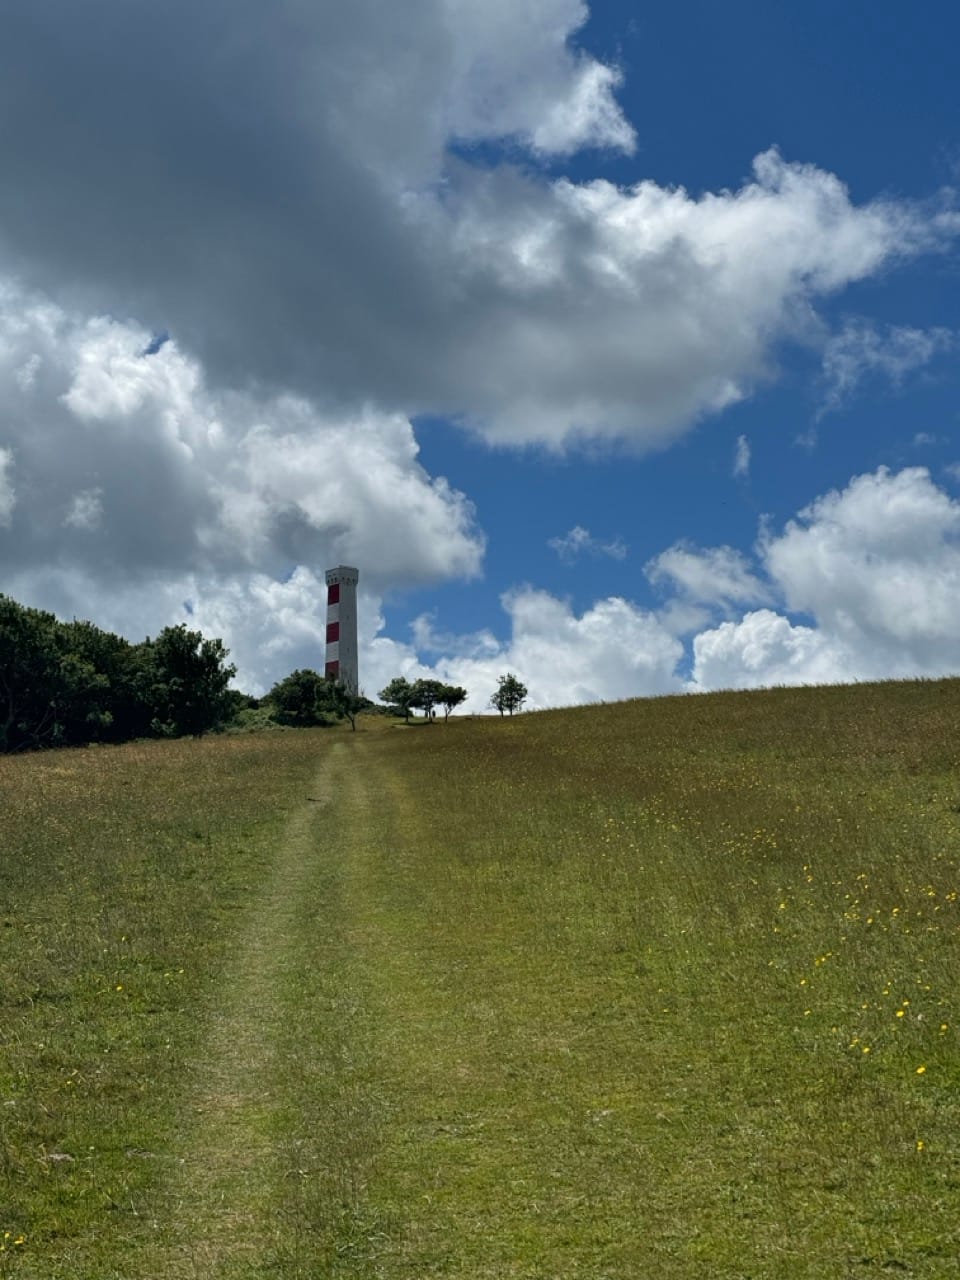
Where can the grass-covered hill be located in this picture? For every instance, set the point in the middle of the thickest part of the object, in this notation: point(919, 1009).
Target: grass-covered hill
point(658, 989)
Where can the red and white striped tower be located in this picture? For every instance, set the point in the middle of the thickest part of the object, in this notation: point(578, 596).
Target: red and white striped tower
point(341, 657)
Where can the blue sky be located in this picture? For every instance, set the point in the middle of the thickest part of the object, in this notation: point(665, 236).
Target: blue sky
point(867, 91)
point(617, 345)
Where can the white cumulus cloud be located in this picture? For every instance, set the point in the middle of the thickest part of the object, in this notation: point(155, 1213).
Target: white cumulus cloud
point(876, 566)
point(715, 575)
point(764, 648)
point(639, 311)
point(183, 493)
point(863, 584)
point(514, 74)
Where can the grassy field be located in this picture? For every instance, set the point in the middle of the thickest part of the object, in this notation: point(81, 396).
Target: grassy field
point(659, 989)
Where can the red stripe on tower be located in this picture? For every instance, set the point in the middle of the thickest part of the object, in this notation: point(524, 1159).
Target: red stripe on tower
point(333, 593)
point(333, 632)
point(332, 670)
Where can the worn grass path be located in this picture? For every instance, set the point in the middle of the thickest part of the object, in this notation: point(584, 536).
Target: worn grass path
point(181, 1110)
point(275, 1105)
point(393, 1082)
point(225, 1203)
point(305, 1060)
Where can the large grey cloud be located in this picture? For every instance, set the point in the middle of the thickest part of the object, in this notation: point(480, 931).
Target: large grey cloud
point(242, 173)
point(280, 186)
point(122, 467)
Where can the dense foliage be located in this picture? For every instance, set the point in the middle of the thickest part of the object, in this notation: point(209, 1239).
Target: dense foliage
point(306, 698)
point(300, 699)
point(65, 683)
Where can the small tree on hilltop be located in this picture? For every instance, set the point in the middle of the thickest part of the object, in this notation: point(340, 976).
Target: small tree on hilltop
point(426, 695)
point(510, 694)
point(399, 693)
point(453, 696)
point(344, 703)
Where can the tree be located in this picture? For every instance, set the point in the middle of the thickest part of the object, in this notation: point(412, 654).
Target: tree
point(426, 695)
point(344, 703)
point(301, 698)
point(190, 678)
point(510, 694)
point(306, 698)
point(453, 696)
point(29, 676)
point(399, 693)
point(106, 696)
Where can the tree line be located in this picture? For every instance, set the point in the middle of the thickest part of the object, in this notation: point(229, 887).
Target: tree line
point(426, 695)
point(422, 695)
point(64, 683)
point(71, 683)
point(305, 698)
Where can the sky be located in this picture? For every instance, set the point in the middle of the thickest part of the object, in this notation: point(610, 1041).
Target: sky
point(618, 346)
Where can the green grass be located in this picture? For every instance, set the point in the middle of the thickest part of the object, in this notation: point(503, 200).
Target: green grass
point(657, 989)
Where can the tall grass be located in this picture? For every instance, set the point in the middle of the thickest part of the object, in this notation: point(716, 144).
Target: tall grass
point(657, 989)
point(676, 984)
point(124, 871)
